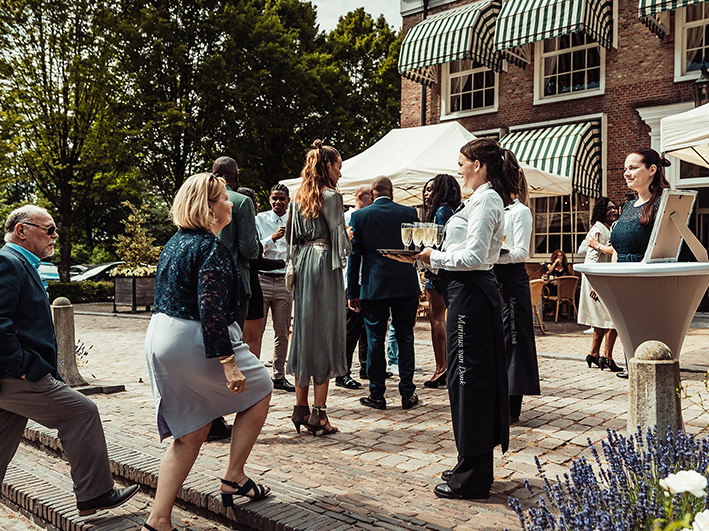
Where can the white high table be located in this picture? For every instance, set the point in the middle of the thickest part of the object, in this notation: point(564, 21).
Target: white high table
point(649, 301)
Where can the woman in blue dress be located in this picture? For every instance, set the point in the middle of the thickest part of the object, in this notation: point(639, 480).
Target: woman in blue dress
point(441, 196)
point(199, 366)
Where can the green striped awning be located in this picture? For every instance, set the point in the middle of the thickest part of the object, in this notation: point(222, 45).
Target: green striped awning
point(524, 21)
point(462, 33)
point(655, 13)
point(570, 150)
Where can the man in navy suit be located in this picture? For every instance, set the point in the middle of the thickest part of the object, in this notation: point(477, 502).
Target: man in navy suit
point(30, 386)
point(387, 286)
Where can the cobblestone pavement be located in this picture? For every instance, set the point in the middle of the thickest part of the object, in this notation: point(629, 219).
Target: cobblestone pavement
point(14, 521)
point(387, 462)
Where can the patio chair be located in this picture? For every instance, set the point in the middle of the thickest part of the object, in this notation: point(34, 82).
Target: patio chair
point(535, 290)
point(565, 293)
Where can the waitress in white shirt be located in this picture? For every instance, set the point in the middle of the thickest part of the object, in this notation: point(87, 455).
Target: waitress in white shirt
point(511, 272)
point(477, 364)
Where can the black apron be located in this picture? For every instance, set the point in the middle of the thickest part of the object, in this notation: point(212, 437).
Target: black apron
point(522, 370)
point(477, 362)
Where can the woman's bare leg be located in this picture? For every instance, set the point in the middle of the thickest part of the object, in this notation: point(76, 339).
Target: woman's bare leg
point(598, 334)
point(176, 465)
point(611, 336)
point(301, 394)
point(253, 334)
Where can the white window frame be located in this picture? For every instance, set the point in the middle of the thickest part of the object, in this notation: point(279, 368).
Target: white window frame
point(445, 95)
point(680, 47)
point(540, 99)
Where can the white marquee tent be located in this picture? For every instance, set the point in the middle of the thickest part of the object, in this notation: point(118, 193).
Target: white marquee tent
point(686, 135)
point(413, 155)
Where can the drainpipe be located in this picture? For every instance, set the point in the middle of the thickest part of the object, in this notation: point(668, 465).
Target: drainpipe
point(423, 85)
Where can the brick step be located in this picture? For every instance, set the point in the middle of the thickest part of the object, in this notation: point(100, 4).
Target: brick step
point(38, 485)
point(291, 507)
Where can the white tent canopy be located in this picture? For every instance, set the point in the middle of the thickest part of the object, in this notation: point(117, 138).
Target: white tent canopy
point(413, 155)
point(686, 135)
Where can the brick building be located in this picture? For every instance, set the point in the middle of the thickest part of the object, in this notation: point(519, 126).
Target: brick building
point(570, 86)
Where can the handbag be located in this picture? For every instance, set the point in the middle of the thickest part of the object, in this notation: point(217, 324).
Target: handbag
point(290, 266)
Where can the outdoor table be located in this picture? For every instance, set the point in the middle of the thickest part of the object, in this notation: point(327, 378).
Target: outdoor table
point(649, 301)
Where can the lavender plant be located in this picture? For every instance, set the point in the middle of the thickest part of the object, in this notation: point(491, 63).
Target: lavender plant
point(624, 493)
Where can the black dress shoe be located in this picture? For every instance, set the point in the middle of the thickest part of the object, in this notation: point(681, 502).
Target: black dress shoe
point(283, 384)
point(376, 403)
point(623, 374)
point(388, 374)
point(407, 402)
point(363, 375)
point(348, 382)
point(444, 491)
point(446, 475)
point(219, 430)
point(113, 498)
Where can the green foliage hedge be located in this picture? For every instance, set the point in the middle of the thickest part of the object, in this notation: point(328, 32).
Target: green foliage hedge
point(77, 292)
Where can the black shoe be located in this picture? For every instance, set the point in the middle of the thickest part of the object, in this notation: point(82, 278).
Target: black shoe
point(436, 383)
point(347, 382)
point(623, 374)
point(446, 475)
point(444, 491)
point(219, 430)
point(407, 402)
point(283, 384)
point(593, 360)
point(363, 375)
point(113, 498)
point(388, 374)
point(376, 403)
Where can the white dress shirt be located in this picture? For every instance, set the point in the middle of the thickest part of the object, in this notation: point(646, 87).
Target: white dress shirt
point(268, 223)
point(473, 236)
point(518, 233)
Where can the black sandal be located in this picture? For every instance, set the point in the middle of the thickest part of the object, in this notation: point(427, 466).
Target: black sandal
point(260, 491)
point(151, 528)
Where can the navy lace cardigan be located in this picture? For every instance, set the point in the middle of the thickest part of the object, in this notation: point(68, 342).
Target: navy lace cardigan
point(197, 280)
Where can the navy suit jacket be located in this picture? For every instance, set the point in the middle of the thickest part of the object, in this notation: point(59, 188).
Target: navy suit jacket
point(27, 343)
point(378, 226)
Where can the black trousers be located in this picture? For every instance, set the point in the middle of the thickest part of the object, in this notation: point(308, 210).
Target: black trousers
point(473, 475)
point(356, 333)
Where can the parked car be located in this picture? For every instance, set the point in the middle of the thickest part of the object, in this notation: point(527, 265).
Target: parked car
point(97, 272)
point(78, 269)
point(48, 271)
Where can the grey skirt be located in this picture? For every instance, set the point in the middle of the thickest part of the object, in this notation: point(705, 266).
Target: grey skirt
point(190, 390)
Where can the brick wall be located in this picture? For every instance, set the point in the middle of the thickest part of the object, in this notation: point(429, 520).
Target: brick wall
point(639, 73)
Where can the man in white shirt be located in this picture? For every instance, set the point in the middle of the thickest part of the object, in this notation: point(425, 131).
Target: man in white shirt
point(271, 227)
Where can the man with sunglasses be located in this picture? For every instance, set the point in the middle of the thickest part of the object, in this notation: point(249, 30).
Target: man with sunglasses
point(30, 385)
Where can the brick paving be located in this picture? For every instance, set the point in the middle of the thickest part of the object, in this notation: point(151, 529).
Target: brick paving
point(379, 471)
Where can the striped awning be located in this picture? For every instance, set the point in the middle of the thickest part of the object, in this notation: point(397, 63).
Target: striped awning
point(462, 33)
point(570, 150)
point(655, 14)
point(524, 21)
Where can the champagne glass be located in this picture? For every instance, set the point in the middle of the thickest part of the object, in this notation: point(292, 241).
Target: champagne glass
point(439, 235)
point(418, 232)
point(407, 234)
point(429, 236)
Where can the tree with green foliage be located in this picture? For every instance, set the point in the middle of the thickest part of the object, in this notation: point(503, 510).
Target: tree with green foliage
point(58, 85)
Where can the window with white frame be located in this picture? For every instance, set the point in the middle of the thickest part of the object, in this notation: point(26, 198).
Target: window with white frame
point(569, 66)
point(469, 88)
point(692, 43)
point(559, 223)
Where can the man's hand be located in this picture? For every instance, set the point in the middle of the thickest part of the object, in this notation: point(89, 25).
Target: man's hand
point(349, 231)
point(354, 305)
point(425, 256)
point(279, 233)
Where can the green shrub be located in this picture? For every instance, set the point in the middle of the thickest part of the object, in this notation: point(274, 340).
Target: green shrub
point(78, 292)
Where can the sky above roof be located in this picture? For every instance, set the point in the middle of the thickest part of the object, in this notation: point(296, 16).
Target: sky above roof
point(329, 11)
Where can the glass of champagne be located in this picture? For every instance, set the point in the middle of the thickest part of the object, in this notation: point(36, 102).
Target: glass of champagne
point(430, 231)
point(407, 234)
point(418, 232)
point(439, 235)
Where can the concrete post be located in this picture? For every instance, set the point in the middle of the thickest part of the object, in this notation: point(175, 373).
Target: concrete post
point(654, 379)
point(63, 315)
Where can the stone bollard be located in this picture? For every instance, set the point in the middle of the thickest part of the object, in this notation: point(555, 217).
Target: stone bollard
point(63, 316)
point(654, 379)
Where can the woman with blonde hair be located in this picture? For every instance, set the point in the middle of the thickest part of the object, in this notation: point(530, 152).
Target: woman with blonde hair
point(199, 366)
point(316, 229)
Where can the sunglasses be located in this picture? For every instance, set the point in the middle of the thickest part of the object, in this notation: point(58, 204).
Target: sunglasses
point(51, 229)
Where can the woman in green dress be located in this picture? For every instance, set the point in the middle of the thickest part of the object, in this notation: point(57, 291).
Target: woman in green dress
point(316, 227)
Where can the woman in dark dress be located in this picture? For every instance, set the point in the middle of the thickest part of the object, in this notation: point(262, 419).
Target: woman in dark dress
point(644, 175)
point(511, 272)
point(441, 196)
point(477, 362)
